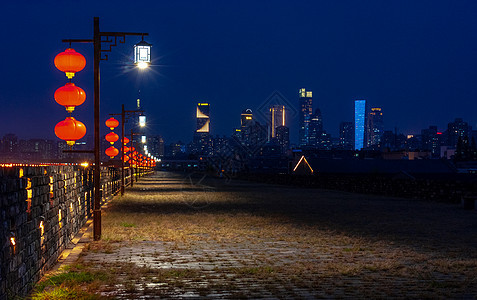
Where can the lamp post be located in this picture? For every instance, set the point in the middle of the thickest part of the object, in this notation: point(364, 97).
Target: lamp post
point(127, 113)
point(110, 39)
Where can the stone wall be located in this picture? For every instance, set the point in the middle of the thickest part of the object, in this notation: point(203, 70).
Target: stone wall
point(42, 208)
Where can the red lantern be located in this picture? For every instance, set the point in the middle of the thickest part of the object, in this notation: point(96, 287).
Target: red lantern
point(70, 130)
point(126, 158)
point(132, 149)
point(125, 149)
point(112, 137)
point(125, 140)
point(112, 123)
point(70, 96)
point(70, 62)
point(111, 152)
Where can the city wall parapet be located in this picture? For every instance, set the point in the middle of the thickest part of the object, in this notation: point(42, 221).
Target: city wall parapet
point(42, 208)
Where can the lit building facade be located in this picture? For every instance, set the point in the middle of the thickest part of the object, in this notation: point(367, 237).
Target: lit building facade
point(202, 141)
point(359, 124)
point(246, 118)
point(375, 126)
point(156, 146)
point(315, 128)
point(458, 129)
point(305, 103)
point(277, 118)
point(283, 137)
point(346, 139)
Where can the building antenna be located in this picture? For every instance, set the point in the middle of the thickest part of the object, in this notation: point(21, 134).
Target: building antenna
point(139, 100)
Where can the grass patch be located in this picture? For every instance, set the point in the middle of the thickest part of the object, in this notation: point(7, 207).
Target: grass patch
point(70, 285)
point(62, 293)
point(125, 224)
point(68, 279)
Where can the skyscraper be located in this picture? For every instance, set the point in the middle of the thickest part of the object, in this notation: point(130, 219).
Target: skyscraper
point(346, 141)
point(283, 137)
point(277, 118)
point(246, 118)
point(457, 129)
point(306, 110)
point(374, 127)
point(315, 128)
point(359, 124)
point(203, 117)
point(202, 139)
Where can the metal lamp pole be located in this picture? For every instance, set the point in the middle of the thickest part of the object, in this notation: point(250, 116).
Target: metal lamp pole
point(111, 38)
point(124, 113)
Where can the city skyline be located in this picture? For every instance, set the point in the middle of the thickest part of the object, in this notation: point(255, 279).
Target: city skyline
point(415, 60)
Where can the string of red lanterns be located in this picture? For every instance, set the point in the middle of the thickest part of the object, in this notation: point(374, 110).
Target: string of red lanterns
point(112, 137)
point(70, 96)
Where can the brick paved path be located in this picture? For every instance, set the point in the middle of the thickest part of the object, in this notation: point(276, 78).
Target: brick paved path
point(176, 237)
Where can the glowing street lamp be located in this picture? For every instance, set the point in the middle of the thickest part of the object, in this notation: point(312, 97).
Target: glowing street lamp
point(142, 120)
point(142, 54)
point(143, 139)
point(102, 42)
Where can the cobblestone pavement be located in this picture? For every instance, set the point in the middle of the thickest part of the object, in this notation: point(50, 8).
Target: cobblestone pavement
point(176, 237)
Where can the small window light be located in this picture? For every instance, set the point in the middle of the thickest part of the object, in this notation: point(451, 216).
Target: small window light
point(12, 239)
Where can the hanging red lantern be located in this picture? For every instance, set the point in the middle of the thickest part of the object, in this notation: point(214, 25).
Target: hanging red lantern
point(112, 123)
point(70, 62)
point(70, 96)
point(112, 137)
point(111, 152)
point(126, 158)
point(125, 140)
point(70, 130)
point(132, 149)
point(125, 149)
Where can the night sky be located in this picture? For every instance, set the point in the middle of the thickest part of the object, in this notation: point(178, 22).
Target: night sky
point(415, 59)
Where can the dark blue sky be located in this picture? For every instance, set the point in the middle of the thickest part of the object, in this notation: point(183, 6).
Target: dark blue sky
point(415, 59)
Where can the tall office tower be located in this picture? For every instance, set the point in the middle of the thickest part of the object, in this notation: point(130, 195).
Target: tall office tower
point(457, 129)
point(315, 129)
point(246, 122)
point(203, 117)
point(156, 145)
point(283, 137)
point(346, 140)
point(246, 118)
point(359, 124)
point(202, 138)
point(277, 118)
point(306, 110)
point(375, 126)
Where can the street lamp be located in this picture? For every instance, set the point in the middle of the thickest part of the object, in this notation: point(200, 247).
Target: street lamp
point(142, 54)
point(126, 113)
point(109, 39)
point(142, 120)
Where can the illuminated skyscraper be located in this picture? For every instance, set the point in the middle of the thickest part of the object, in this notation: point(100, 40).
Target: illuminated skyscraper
point(359, 124)
point(277, 118)
point(202, 140)
point(306, 110)
point(246, 118)
point(315, 128)
point(375, 126)
point(203, 117)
